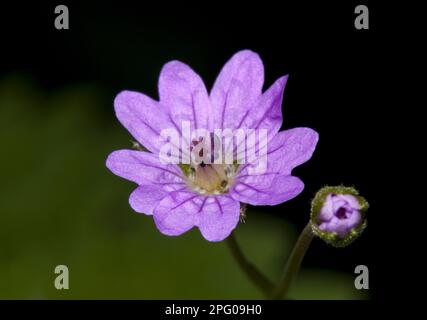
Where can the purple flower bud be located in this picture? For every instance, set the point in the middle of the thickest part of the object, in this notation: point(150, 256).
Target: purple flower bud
point(338, 215)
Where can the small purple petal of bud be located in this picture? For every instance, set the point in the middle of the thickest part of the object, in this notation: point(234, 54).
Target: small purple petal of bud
point(338, 215)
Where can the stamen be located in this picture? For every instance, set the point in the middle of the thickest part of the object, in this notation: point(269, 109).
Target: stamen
point(210, 178)
point(207, 177)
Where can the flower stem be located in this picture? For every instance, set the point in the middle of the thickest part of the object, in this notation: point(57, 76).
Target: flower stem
point(294, 263)
point(248, 268)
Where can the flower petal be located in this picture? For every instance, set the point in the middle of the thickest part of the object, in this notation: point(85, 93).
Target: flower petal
point(183, 92)
point(144, 168)
point(335, 225)
point(260, 190)
point(354, 219)
point(145, 198)
point(267, 113)
point(237, 88)
point(327, 210)
point(287, 150)
point(177, 213)
point(144, 118)
point(351, 200)
point(274, 185)
point(219, 216)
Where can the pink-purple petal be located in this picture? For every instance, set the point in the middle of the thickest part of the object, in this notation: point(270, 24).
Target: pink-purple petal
point(354, 219)
point(143, 168)
point(145, 198)
point(237, 89)
point(177, 213)
point(267, 113)
point(261, 190)
point(285, 151)
point(216, 216)
point(350, 199)
point(327, 211)
point(183, 92)
point(219, 216)
point(144, 118)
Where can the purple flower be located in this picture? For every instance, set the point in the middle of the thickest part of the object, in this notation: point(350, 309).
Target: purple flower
point(208, 196)
point(340, 214)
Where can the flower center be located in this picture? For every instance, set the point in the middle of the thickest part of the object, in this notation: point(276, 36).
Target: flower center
point(210, 178)
point(341, 213)
point(204, 176)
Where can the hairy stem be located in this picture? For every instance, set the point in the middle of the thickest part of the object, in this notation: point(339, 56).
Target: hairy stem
point(294, 263)
point(248, 268)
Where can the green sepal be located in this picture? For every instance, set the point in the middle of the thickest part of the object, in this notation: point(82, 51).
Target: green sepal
point(186, 168)
point(137, 146)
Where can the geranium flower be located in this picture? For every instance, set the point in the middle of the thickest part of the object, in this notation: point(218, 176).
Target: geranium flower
point(208, 196)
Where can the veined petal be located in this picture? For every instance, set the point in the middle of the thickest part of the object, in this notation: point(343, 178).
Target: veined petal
point(219, 216)
point(274, 185)
point(145, 198)
point(177, 213)
point(144, 168)
point(285, 151)
point(258, 190)
point(144, 118)
point(267, 113)
point(183, 92)
point(237, 88)
point(216, 216)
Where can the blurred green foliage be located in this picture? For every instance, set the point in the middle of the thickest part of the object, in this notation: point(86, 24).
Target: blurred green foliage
point(60, 205)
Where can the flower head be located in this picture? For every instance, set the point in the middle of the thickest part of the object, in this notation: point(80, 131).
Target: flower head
point(338, 215)
point(198, 187)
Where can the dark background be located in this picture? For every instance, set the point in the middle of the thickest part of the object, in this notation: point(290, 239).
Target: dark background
point(333, 70)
